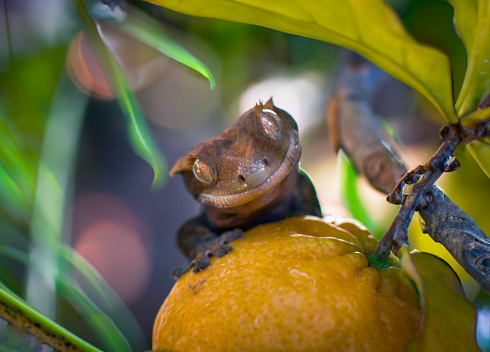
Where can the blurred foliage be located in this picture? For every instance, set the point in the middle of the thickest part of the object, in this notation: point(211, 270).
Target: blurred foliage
point(448, 321)
point(370, 28)
point(431, 22)
point(375, 31)
point(350, 193)
point(32, 75)
point(139, 134)
point(39, 111)
point(472, 20)
point(149, 31)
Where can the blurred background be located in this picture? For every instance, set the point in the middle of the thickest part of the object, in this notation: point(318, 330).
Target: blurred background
point(70, 174)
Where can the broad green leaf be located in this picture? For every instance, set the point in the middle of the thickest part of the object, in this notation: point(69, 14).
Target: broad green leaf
point(475, 116)
point(432, 22)
point(149, 31)
point(369, 27)
point(472, 19)
point(449, 320)
point(480, 149)
point(24, 317)
point(139, 135)
point(481, 153)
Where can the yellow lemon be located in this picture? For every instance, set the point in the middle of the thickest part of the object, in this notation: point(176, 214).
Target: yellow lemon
point(301, 284)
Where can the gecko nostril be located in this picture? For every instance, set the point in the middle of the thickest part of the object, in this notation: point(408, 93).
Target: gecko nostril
point(265, 161)
point(241, 178)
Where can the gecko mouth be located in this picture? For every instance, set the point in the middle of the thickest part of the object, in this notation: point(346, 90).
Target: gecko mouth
point(232, 200)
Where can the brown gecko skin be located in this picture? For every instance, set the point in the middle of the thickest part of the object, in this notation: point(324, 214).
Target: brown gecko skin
point(245, 176)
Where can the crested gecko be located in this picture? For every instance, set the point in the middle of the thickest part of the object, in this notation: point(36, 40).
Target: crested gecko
point(245, 176)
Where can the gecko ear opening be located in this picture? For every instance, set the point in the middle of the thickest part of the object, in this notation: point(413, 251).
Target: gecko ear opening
point(183, 164)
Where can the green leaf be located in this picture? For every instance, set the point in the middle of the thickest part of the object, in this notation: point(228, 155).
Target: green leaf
point(481, 152)
point(52, 187)
point(350, 193)
point(472, 19)
point(106, 298)
point(476, 117)
point(449, 320)
point(11, 196)
point(102, 324)
point(16, 173)
point(24, 317)
point(139, 135)
point(149, 31)
point(369, 27)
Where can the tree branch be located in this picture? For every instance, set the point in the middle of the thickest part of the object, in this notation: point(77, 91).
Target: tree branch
point(447, 224)
point(353, 128)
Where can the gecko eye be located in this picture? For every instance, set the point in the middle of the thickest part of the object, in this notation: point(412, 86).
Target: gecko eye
point(271, 123)
point(203, 171)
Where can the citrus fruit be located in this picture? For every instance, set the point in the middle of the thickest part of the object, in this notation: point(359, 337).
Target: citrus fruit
point(301, 284)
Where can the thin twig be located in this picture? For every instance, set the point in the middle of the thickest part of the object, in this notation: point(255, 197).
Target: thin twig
point(445, 222)
point(442, 161)
point(353, 128)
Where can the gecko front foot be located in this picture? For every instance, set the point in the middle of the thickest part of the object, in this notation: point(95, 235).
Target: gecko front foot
point(217, 246)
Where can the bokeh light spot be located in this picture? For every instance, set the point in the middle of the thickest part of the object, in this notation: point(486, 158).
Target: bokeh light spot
point(110, 236)
point(141, 63)
point(120, 256)
point(298, 95)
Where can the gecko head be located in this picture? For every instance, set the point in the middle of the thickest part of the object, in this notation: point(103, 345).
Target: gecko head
point(244, 162)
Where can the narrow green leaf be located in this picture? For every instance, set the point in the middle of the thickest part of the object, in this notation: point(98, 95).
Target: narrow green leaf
point(15, 254)
point(472, 19)
point(369, 27)
point(350, 195)
point(139, 135)
point(12, 198)
point(449, 320)
point(16, 173)
point(149, 31)
point(101, 323)
point(105, 296)
point(52, 185)
point(103, 326)
point(24, 317)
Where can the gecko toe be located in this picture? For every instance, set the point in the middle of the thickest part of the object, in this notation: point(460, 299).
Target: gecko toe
point(221, 250)
point(232, 235)
point(216, 246)
point(181, 270)
point(201, 262)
